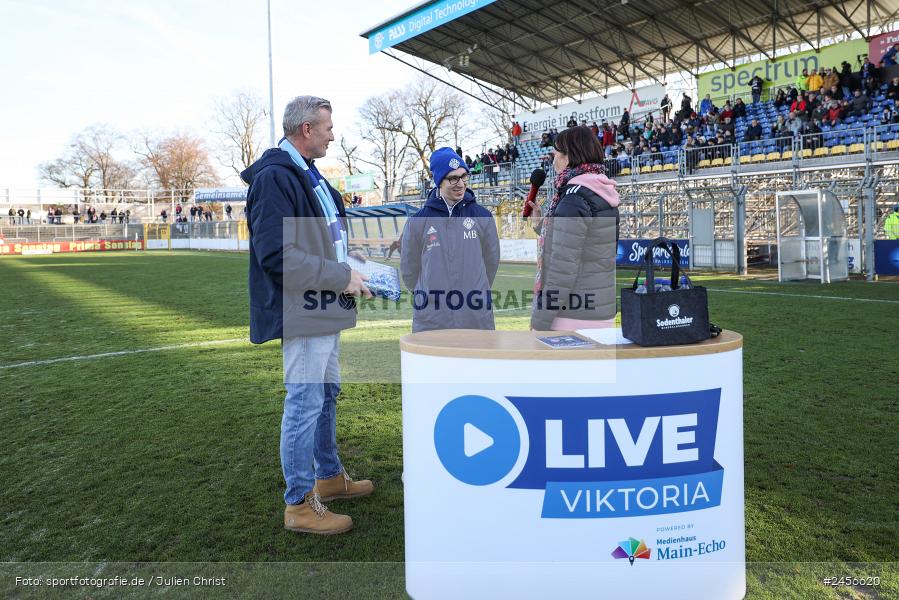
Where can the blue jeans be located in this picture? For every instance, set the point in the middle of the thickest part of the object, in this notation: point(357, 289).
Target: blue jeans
point(309, 426)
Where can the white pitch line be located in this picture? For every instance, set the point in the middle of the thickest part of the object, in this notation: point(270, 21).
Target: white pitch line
point(50, 361)
point(804, 296)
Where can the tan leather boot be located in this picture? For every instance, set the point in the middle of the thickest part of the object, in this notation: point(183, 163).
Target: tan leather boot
point(341, 486)
point(314, 517)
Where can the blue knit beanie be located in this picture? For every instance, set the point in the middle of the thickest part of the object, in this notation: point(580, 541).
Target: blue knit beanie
point(444, 160)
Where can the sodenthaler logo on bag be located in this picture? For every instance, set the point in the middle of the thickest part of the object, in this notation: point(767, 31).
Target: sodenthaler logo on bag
point(675, 321)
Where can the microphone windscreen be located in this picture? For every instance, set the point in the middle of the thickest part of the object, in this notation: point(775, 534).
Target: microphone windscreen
point(538, 176)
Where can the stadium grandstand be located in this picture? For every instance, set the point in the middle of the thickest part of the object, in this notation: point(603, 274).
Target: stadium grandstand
point(701, 132)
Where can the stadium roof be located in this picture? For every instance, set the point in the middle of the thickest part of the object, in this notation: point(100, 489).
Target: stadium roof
point(547, 51)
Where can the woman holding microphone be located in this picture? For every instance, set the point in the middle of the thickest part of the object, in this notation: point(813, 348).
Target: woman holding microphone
point(578, 234)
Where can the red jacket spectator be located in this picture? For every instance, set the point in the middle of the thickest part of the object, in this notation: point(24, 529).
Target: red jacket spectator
point(608, 136)
point(516, 129)
point(835, 113)
point(798, 106)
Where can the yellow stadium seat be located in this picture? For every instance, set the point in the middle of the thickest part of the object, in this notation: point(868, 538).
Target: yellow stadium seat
point(855, 148)
point(704, 163)
point(728, 160)
point(656, 168)
point(786, 155)
point(758, 158)
point(717, 162)
point(879, 146)
point(668, 167)
point(893, 144)
point(838, 149)
point(772, 156)
point(807, 153)
point(646, 169)
point(822, 151)
point(626, 171)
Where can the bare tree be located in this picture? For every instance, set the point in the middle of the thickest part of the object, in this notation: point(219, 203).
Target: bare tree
point(389, 147)
point(178, 162)
point(347, 155)
point(499, 117)
point(240, 122)
point(428, 109)
point(91, 161)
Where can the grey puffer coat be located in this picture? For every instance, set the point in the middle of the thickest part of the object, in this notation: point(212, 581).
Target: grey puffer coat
point(580, 242)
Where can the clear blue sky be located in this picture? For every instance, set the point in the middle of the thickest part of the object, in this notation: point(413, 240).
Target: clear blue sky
point(159, 64)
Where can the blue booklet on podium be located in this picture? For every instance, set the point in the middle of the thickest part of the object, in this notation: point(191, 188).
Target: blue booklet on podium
point(566, 341)
point(383, 280)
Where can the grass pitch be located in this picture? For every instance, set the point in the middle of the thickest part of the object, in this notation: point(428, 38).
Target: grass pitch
point(171, 453)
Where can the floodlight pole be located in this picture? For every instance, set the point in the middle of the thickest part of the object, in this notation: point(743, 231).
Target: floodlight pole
point(271, 87)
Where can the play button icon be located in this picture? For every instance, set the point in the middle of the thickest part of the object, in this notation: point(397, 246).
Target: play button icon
point(476, 439)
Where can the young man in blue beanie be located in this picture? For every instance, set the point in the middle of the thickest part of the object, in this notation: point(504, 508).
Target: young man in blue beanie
point(450, 253)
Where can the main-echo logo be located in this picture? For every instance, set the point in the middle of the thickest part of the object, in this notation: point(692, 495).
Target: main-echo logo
point(595, 457)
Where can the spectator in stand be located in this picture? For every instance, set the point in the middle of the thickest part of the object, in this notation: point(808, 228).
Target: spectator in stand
point(545, 141)
point(866, 72)
point(516, 132)
point(861, 104)
point(739, 109)
point(103, 216)
point(208, 214)
point(792, 95)
point(199, 212)
point(813, 137)
point(228, 210)
point(820, 111)
point(512, 153)
point(12, 216)
point(491, 168)
point(831, 79)
point(164, 215)
point(802, 81)
point(728, 126)
point(815, 81)
point(21, 214)
point(625, 124)
point(608, 136)
point(889, 57)
point(847, 80)
point(686, 108)
point(691, 155)
point(572, 122)
point(76, 216)
point(893, 90)
point(500, 157)
point(799, 107)
point(552, 135)
point(595, 129)
point(727, 112)
point(666, 106)
point(753, 132)
point(706, 106)
point(780, 98)
point(756, 84)
point(58, 213)
point(836, 92)
point(114, 214)
point(28, 216)
point(122, 217)
point(128, 215)
point(795, 123)
point(458, 150)
point(177, 211)
point(478, 168)
point(193, 213)
point(836, 113)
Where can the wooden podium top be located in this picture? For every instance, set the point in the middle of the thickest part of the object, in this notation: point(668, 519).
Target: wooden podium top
point(524, 345)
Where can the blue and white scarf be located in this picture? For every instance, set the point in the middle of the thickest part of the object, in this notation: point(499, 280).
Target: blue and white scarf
point(325, 200)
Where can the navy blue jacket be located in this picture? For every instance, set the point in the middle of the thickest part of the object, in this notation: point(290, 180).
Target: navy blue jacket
point(295, 281)
point(449, 260)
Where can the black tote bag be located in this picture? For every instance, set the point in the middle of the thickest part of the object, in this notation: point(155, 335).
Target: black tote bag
point(679, 316)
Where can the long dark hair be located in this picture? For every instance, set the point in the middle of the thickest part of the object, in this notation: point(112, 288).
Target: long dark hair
point(580, 145)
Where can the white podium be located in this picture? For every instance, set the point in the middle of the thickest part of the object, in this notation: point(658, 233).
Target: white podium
point(603, 472)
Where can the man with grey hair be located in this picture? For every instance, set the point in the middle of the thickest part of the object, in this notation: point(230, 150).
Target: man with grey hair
point(302, 292)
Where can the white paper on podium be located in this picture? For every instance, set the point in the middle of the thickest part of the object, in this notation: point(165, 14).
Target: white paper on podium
point(610, 336)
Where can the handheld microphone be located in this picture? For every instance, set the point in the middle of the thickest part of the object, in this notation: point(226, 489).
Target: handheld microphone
point(537, 179)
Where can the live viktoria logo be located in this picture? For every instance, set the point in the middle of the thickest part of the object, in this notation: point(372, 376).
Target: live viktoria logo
point(593, 457)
